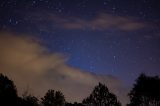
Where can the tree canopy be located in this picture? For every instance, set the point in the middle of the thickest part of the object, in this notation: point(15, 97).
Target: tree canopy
point(8, 92)
point(74, 104)
point(145, 92)
point(101, 96)
point(53, 98)
point(29, 100)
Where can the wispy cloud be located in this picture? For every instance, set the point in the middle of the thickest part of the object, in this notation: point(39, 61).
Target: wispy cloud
point(29, 64)
point(48, 21)
point(102, 21)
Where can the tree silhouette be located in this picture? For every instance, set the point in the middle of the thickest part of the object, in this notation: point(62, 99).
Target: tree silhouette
point(53, 98)
point(74, 104)
point(146, 91)
point(8, 92)
point(101, 97)
point(29, 100)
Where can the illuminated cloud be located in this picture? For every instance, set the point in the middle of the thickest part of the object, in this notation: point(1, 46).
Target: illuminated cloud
point(100, 22)
point(31, 67)
point(45, 21)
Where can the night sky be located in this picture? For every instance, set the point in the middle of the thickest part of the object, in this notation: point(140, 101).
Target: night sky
point(105, 37)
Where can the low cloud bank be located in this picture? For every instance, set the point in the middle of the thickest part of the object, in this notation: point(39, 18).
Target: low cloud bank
point(32, 68)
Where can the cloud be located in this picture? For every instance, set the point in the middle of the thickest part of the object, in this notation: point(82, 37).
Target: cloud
point(31, 67)
point(46, 21)
point(101, 21)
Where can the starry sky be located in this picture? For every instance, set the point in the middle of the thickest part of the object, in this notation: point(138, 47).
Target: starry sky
point(106, 37)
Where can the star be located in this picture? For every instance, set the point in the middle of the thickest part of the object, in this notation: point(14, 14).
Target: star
point(114, 57)
point(16, 22)
point(59, 10)
point(33, 3)
point(105, 3)
point(10, 20)
point(114, 9)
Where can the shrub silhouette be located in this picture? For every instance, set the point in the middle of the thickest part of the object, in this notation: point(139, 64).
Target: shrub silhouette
point(101, 97)
point(53, 98)
point(145, 92)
